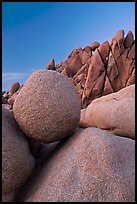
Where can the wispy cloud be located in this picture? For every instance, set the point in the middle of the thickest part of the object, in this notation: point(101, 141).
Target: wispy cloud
point(14, 76)
point(8, 78)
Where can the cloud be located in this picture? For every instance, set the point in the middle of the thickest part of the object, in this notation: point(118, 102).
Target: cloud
point(13, 76)
point(8, 78)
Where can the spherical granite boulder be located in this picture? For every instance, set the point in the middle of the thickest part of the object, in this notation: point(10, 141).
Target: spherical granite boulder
point(47, 107)
point(91, 166)
point(17, 161)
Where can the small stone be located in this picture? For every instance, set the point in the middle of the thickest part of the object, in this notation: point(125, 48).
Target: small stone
point(94, 45)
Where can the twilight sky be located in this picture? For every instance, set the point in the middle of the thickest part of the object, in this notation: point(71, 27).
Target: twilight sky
point(35, 32)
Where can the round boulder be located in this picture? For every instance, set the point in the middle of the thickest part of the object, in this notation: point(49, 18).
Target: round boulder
point(47, 107)
point(14, 87)
point(91, 166)
point(17, 161)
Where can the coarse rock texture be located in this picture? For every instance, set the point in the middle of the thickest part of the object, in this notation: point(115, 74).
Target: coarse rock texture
point(115, 112)
point(110, 68)
point(14, 87)
point(48, 107)
point(91, 166)
point(17, 161)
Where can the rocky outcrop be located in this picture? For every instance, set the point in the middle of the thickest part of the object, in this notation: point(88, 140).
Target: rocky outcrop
point(17, 161)
point(44, 110)
point(114, 112)
point(110, 68)
point(91, 166)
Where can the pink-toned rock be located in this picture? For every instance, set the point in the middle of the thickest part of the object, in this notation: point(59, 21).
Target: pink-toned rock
point(117, 44)
point(93, 165)
point(88, 50)
point(5, 95)
point(75, 65)
point(12, 99)
point(119, 37)
point(84, 57)
point(51, 65)
point(94, 45)
point(129, 39)
point(7, 106)
point(115, 112)
point(17, 161)
point(131, 79)
point(14, 87)
point(54, 116)
point(131, 54)
point(104, 50)
point(95, 71)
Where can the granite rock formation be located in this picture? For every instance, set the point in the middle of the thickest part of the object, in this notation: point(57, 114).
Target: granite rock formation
point(110, 68)
point(47, 108)
point(93, 165)
point(114, 112)
point(17, 161)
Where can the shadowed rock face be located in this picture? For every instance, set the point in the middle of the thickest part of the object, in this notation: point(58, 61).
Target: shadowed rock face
point(114, 112)
point(93, 165)
point(110, 68)
point(47, 107)
point(17, 161)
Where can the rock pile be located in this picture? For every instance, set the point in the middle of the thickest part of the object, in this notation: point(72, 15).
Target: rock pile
point(110, 68)
point(69, 131)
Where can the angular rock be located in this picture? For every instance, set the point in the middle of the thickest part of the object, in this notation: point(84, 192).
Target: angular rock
point(104, 50)
point(92, 166)
point(117, 44)
point(17, 161)
point(129, 40)
point(131, 54)
point(95, 70)
point(51, 65)
point(94, 45)
point(88, 50)
point(84, 57)
point(54, 116)
point(119, 36)
point(131, 79)
point(115, 112)
point(14, 87)
point(75, 65)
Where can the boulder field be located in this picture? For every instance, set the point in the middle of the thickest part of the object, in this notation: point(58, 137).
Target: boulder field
point(68, 133)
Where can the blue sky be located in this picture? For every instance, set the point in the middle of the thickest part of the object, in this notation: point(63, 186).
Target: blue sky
point(35, 32)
